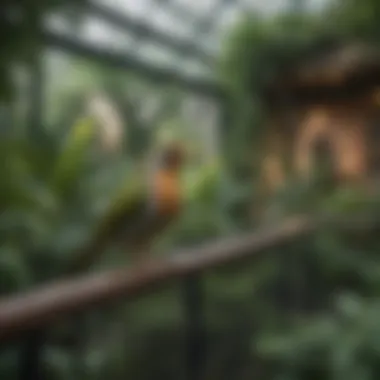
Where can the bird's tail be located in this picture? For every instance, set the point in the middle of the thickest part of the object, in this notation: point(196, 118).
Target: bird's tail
point(86, 256)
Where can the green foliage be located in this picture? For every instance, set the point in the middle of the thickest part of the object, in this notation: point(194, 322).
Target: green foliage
point(55, 192)
point(357, 18)
point(339, 337)
point(21, 37)
point(255, 53)
point(345, 346)
point(259, 48)
point(71, 161)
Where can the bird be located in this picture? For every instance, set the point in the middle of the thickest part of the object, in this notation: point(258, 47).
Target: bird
point(140, 211)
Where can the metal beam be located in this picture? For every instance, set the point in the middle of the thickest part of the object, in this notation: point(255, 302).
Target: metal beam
point(186, 48)
point(129, 62)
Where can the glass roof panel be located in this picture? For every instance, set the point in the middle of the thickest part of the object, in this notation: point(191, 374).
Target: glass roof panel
point(198, 8)
point(195, 28)
point(165, 21)
point(134, 8)
point(93, 31)
point(212, 43)
point(97, 31)
point(194, 68)
point(152, 53)
point(228, 17)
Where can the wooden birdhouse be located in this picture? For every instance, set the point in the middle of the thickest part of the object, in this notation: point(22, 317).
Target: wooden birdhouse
point(325, 107)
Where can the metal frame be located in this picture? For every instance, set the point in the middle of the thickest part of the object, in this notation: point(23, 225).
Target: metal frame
point(128, 62)
point(144, 31)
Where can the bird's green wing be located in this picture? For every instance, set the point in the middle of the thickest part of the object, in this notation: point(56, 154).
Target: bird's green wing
point(126, 206)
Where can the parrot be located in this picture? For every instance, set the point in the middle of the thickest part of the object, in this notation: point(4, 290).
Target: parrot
point(140, 210)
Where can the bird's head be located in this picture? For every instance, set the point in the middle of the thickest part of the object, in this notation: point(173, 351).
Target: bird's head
point(173, 156)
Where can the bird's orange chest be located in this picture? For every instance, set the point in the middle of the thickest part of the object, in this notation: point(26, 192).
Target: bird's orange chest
point(167, 193)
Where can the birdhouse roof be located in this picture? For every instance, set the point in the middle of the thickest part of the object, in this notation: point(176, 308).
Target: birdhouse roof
point(332, 65)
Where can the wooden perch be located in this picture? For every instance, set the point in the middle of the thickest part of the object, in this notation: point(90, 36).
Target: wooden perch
point(43, 306)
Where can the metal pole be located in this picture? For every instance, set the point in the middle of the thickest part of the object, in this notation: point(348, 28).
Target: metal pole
point(31, 356)
point(32, 348)
point(193, 298)
point(36, 97)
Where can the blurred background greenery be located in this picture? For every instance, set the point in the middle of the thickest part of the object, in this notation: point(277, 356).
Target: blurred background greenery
point(306, 311)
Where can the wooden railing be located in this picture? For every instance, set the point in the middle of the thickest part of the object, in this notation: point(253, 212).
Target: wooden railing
point(37, 309)
point(43, 306)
